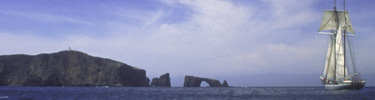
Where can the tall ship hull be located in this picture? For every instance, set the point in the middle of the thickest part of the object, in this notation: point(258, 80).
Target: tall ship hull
point(340, 57)
point(344, 86)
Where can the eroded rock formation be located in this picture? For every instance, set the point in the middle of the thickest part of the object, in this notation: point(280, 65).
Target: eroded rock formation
point(225, 83)
point(68, 68)
point(163, 81)
point(192, 81)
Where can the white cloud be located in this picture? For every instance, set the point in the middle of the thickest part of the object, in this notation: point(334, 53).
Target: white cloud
point(25, 44)
point(45, 18)
point(217, 38)
point(155, 17)
point(228, 38)
point(139, 16)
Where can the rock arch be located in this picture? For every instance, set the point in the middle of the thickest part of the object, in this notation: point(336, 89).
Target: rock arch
point(204, 84)
point(192, 81)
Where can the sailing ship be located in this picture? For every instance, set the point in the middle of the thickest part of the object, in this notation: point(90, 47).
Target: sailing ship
point(336, 75)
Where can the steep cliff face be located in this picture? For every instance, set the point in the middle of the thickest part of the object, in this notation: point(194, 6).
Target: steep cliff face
point(68, 68)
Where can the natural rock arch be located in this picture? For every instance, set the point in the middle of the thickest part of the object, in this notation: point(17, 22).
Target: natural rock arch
point(191, 81)
point(204, 84)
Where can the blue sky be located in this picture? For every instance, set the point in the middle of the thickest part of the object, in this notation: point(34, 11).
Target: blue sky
point(207, 38)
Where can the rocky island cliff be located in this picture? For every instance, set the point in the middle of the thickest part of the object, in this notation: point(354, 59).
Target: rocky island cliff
point(68, 68)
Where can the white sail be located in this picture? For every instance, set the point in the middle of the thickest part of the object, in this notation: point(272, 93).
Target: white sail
point(329, 21)
point(341, 70)
point(329, 70)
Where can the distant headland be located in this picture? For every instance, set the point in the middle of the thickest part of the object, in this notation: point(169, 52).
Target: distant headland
point(75, 68)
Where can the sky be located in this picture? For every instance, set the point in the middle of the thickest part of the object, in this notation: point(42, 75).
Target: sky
point(207, 38)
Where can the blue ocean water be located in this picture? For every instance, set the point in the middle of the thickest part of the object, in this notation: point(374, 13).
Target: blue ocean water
point(131, 93)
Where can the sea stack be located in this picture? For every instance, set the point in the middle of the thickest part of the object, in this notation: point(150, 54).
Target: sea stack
point(163, 81)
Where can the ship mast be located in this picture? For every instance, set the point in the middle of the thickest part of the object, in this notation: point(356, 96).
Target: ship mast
point(335, 35)
point(344, 41)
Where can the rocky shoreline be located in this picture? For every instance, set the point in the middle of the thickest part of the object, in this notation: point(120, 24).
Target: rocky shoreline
point(75, 68)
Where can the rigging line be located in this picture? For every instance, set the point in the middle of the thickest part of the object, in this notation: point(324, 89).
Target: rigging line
point(344, 39)
point(350, 45)
point(352, 56)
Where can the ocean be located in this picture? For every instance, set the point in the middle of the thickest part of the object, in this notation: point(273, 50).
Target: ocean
point(181, 93)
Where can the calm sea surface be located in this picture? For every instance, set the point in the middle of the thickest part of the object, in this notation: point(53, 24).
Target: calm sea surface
point(177, 93)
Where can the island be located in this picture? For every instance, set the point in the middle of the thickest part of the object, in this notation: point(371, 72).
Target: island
point(68, 68)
